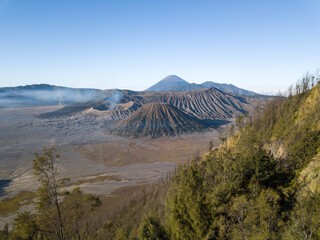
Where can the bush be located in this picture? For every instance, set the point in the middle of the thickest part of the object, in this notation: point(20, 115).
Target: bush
point(151, 229)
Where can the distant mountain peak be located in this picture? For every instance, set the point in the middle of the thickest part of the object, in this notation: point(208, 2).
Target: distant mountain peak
point(173, 83)
point(173, 78)
point(169, 83)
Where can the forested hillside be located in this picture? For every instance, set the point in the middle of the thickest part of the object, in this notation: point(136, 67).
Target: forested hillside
point(262, 183)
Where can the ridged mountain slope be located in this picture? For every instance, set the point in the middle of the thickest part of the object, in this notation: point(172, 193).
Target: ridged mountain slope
point(156, 120)
point(206, 104)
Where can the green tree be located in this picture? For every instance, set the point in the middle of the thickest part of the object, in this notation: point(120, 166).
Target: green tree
point(151, 229)
point(25, 227)
point(187, 212)
point(50, 191)
point(79, 205)
point(267, 215)
point(240, 121)
point(305, 221)
point(4, 233)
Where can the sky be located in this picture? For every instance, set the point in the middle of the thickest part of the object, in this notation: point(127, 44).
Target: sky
point(262, 46)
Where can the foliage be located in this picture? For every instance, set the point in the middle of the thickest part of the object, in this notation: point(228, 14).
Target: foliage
point(152, 229)
point(60, 214)
point(187, 211)
point(78, 205)
point(305, 221)
point(25, 227)
point(128, 222)
point(4, 233)
point(50, 191)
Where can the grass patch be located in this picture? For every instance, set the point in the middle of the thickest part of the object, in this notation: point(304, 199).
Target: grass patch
point(97, 179)
point(10, 205)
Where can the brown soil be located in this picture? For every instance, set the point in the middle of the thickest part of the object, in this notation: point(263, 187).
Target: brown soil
point(133, 151)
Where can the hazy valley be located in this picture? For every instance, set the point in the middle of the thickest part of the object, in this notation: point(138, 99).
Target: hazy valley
point(108, 139)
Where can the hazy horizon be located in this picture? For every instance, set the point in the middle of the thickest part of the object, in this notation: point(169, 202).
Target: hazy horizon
point(258, 46)
point(43, 83)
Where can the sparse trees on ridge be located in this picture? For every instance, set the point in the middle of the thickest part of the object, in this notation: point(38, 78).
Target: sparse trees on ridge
point(307, 82)
point(60, 213)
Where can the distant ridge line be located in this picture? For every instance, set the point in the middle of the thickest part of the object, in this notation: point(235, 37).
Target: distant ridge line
point(174, 83)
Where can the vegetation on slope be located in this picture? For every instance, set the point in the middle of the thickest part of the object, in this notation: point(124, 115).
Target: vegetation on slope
point(262, 183)
point(10, 205)
point(61, 214)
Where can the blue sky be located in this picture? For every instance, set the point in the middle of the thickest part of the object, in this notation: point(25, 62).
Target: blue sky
point(257, 45)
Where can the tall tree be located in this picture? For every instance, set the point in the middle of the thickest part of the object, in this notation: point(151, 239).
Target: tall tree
point(50, 191)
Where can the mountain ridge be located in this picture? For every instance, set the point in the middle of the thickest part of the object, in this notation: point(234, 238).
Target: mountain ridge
point(47, 95)
point(158, 120)
point(176, 84)
point(198, 109)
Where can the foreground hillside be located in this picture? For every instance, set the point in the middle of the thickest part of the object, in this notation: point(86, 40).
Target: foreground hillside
point(262, 183)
